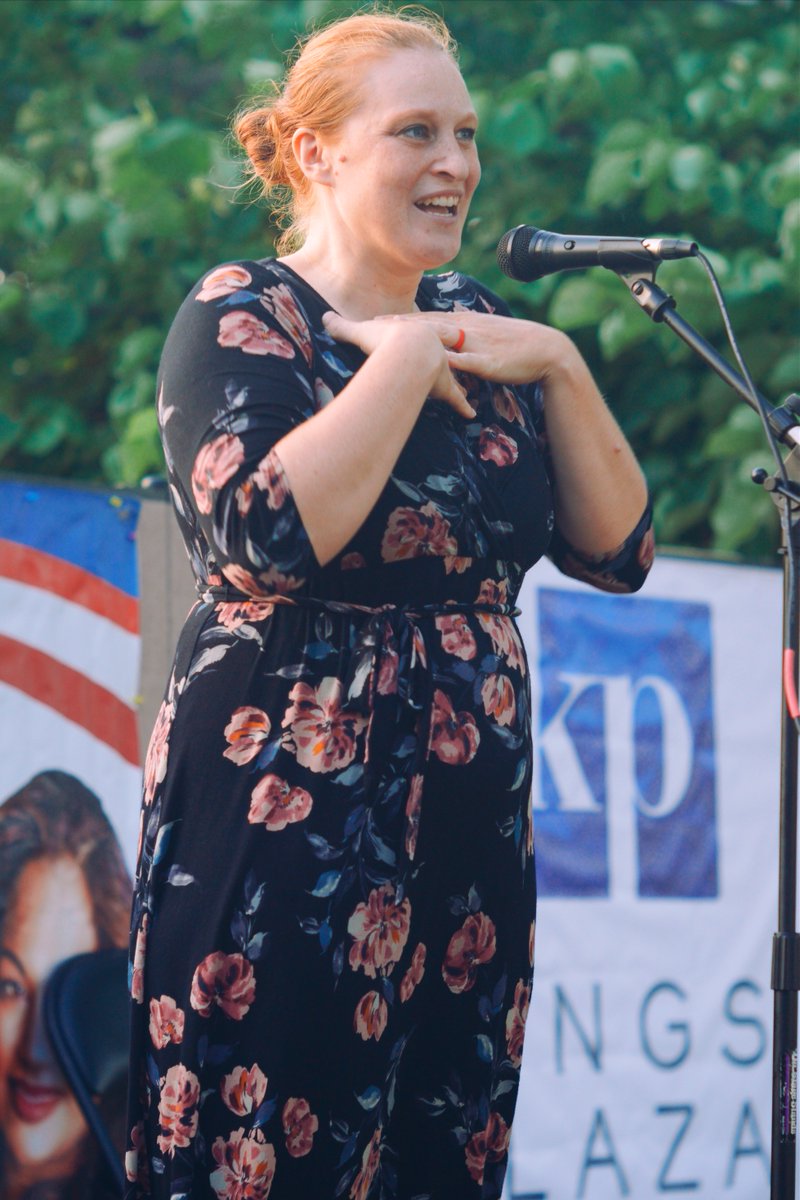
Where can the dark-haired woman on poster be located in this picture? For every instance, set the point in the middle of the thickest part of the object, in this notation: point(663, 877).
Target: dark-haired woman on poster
point(64, 890)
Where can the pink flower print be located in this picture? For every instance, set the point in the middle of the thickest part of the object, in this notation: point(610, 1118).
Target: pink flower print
point(469, 947)
point(242, 1091)
point(223, 981)
point(379, 930)
point(155, 767)
point(457, 563)
point(387, 675)
point(506, 406)
point(137, 974)
point(488, 1145)
point(413, 812)
point(245, 734)
point(475, 1153)
point(515, 1022)
point(270, 477)
point(370, 1161)
point(454, 737)
point(497, 694)
point(322, 393)
point(457, 637)
point(222, 281)
point(299, 1126)
point(166, 1022)
point(371, 1016)
point(321, 733)
point(497, 447)
point(352, 561)
point(501, 629)
point(246, 1166)
point(177, 1109)
point(413, 532)
point(493, 591)
point(275, 804)
point(281, 303)
point(244, 497)
point(136, 1165)
point(214, 465)
point(236, 613)
point(414, 974)
point(647, 550)
point(245, 581)
point(241, 330)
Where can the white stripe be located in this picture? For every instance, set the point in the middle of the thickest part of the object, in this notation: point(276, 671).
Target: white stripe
point(74, 636)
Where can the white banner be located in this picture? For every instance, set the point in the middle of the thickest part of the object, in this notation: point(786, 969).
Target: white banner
point(647, 1062)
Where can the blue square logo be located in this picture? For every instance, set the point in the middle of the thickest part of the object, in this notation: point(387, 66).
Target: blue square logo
point(624, 798)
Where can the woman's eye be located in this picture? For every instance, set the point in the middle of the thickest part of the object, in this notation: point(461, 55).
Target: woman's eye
point(415, 131)
point(467, 134)
point(11, 989)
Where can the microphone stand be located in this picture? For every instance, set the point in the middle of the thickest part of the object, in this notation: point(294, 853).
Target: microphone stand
point(785, 490)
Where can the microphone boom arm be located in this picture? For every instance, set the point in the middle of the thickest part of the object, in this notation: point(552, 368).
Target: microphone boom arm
point(662, 309)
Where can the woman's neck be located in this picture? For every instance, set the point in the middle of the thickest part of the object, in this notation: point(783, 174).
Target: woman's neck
point(355, 290)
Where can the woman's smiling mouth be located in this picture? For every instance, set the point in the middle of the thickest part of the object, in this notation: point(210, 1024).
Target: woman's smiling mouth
point(445, 205)
point(32, 1102)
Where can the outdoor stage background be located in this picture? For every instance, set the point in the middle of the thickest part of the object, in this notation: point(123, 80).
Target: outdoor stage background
point(647, 1067)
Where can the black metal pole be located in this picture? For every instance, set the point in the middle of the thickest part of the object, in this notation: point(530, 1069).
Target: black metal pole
point(786, 942)
point(660, 307)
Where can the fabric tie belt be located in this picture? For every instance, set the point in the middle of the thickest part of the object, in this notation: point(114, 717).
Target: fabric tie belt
point(389, 656)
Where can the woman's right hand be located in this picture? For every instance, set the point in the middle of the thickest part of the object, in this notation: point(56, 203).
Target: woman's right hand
point(422, 340)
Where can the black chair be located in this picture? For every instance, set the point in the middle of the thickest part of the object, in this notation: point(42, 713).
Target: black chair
point(87, 1016)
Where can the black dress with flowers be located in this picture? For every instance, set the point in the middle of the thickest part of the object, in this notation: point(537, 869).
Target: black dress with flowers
point(334, 916)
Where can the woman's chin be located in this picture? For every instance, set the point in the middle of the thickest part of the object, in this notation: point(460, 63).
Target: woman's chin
point(46, 1150)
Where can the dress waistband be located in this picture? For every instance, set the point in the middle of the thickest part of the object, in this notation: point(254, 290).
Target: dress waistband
point(420, 586)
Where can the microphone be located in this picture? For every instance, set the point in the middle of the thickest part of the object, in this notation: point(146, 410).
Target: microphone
point(527, 253)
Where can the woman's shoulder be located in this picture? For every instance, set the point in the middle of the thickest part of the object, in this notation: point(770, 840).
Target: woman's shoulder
point(242, 278)
point(248, 305)
point(454, 290)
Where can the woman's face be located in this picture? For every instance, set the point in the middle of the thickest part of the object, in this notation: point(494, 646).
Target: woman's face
point(50, 919)
point(404, 165)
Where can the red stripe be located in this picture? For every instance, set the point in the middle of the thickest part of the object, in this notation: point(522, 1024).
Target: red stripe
point(72, 695)
point(52, 574)
point(790, 691)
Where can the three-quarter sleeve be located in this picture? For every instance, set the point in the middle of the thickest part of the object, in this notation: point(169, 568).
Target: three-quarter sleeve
point(622, 570)
point(236, 376)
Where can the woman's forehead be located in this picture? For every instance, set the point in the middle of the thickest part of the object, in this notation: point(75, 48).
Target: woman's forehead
point(410, 79)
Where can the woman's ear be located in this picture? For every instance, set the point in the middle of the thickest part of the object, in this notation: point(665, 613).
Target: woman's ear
point(313, 156)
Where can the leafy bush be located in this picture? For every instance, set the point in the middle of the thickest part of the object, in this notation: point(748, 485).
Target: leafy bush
point(616, 116)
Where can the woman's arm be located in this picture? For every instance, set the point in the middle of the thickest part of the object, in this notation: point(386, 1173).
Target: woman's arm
point(600, 489)
point(337, 463)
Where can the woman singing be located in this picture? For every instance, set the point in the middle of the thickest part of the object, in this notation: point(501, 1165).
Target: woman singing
point(334, 921)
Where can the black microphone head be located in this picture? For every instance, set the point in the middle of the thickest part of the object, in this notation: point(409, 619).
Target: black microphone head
point(512, 253)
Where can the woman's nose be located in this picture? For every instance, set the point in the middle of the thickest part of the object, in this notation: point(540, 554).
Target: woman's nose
point(452, 159)
point(34, 1050)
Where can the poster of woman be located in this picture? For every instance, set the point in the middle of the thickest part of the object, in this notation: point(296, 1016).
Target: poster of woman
point(64, 890)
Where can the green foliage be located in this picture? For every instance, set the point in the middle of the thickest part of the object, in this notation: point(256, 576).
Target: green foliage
point(676, 117)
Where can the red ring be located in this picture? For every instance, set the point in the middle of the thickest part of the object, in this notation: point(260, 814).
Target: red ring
point(460, 342)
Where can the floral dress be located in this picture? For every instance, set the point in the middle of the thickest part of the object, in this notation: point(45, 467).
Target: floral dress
point(333, 924)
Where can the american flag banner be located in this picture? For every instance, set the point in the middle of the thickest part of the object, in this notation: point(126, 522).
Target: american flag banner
point(70, 643)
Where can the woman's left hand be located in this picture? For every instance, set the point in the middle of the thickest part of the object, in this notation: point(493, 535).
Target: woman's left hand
point(502, 349)
point(599, 486)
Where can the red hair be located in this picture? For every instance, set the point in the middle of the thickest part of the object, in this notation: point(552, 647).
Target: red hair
point(319, 93)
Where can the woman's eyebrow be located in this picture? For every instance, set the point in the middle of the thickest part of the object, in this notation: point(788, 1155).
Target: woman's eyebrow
point(6, 953)
point(428, 114)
